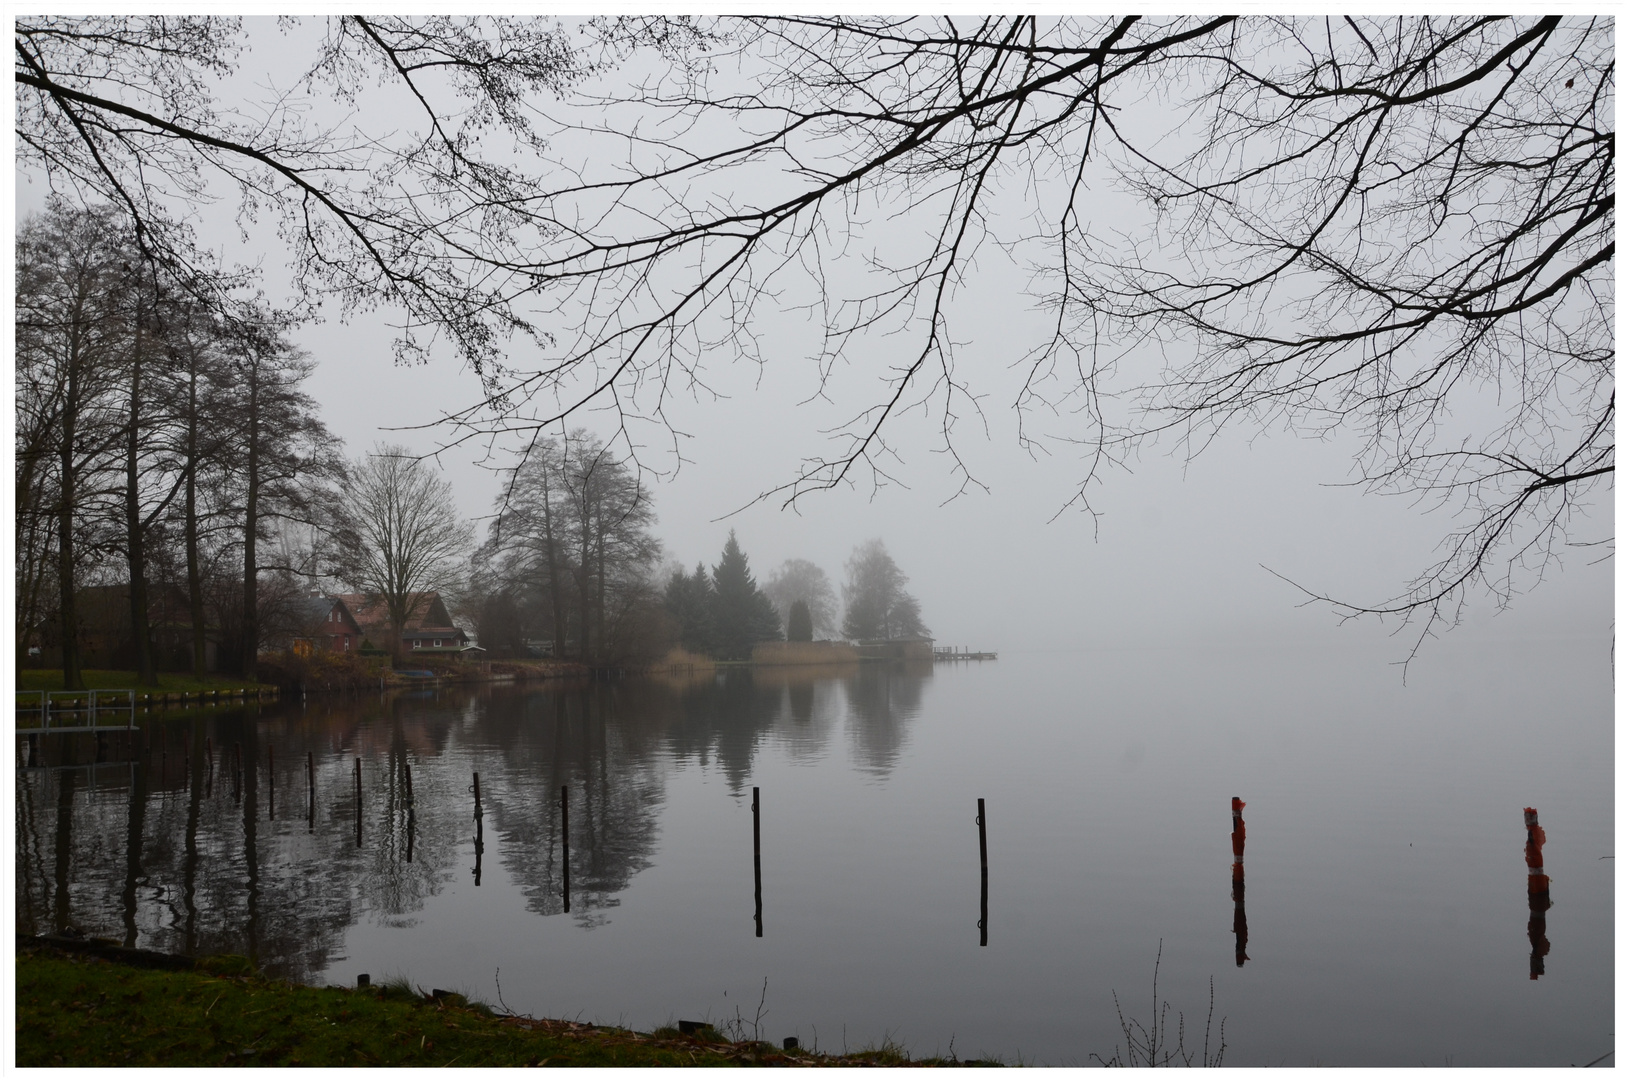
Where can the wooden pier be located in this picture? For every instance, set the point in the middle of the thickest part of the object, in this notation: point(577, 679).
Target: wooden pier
point(954, 652)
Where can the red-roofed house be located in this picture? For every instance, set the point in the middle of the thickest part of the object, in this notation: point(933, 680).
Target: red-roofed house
point(429, 629)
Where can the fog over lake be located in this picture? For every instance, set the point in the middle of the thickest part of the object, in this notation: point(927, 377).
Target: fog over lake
point(1384, 920)
point(1164, 647)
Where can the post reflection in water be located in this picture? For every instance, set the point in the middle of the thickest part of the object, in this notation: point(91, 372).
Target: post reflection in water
point(565, 836)
point(1239, 914)
point(1536, 888)
point(757, 857)
point(64, 848)
point(138, 851)
point(480, 831)
point(135, 820)
point(412, 818)
point(189, 866)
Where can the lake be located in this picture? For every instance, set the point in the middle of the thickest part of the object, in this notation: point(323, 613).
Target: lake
point(1381, 914)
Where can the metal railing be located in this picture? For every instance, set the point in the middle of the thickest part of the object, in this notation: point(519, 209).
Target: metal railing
point(66, 711)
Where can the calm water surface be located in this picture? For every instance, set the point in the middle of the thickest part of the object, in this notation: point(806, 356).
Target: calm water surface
point(1385, 906)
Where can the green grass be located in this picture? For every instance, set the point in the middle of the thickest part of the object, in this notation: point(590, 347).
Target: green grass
point(169, 682)
point(81, 1011)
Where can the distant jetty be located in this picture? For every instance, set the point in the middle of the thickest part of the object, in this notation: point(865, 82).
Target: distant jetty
point(955, 652)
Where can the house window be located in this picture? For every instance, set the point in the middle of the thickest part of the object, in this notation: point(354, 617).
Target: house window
point(416, 643)
point(346, 640)
point(437, 643)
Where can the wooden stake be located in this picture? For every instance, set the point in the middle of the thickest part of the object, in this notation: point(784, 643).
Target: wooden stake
point(565, 831)
point(757, 857)
point(983, 859)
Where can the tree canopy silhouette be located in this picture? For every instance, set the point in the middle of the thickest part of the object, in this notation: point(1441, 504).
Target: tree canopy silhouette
point(1397, 228)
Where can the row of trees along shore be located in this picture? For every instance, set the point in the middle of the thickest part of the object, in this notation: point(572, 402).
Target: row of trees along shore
point(160, 442)
point(169, 462)
point(1393, 232)
point(168, 459)
point(571, 560)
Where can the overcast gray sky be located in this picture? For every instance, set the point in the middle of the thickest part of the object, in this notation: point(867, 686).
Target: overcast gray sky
point(1177, 554)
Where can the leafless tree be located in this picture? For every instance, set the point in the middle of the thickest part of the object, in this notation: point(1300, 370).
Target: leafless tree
point(572, 541)
point(400, 538)
point(878, 605)
point(71, 334)
point(280, 455)
point(1378, 226)
point(799, 579)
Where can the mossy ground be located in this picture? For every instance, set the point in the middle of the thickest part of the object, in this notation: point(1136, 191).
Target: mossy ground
point(77, 1010)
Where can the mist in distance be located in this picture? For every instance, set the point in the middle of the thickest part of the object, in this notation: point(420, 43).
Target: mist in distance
point(1184, 550)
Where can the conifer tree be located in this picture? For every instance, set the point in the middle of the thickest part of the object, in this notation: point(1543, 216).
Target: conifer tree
point(742, 614)
point(799, 627)
point(689, 600)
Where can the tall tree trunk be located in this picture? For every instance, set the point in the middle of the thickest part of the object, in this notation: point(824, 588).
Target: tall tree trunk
point(134, 533)
point(584, 601)
point(67, 607)
point(603, 647)
point(32, 546)
point(194, 571)
point(556, 601)
point(251, 529)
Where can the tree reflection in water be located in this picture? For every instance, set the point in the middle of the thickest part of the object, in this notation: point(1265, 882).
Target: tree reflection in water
point(164, 859)
point(881, 699)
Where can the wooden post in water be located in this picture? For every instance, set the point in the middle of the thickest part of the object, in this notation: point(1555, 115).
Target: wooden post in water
point(478, 811)
point(209, 754)
point(565, 832)
point(310, 791)
point(983, 860)
point(271, 783)
point(358, 802)
point(1537, 892)
point(1239, 885)
point(757, 858)
point(237, 772)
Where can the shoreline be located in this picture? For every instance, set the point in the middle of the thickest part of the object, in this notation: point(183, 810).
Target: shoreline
point(92, 1002)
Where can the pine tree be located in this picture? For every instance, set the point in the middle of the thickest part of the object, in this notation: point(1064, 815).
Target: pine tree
point(799, 627)
point(690, 600)
point(742, 615)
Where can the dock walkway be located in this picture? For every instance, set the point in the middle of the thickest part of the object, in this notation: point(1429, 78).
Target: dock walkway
point(956, 653)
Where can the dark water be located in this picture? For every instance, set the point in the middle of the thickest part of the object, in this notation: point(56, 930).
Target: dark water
point(1383, 909)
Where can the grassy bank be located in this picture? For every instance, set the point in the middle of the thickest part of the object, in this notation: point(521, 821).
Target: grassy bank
point(169, 682)
point(78, 1010)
